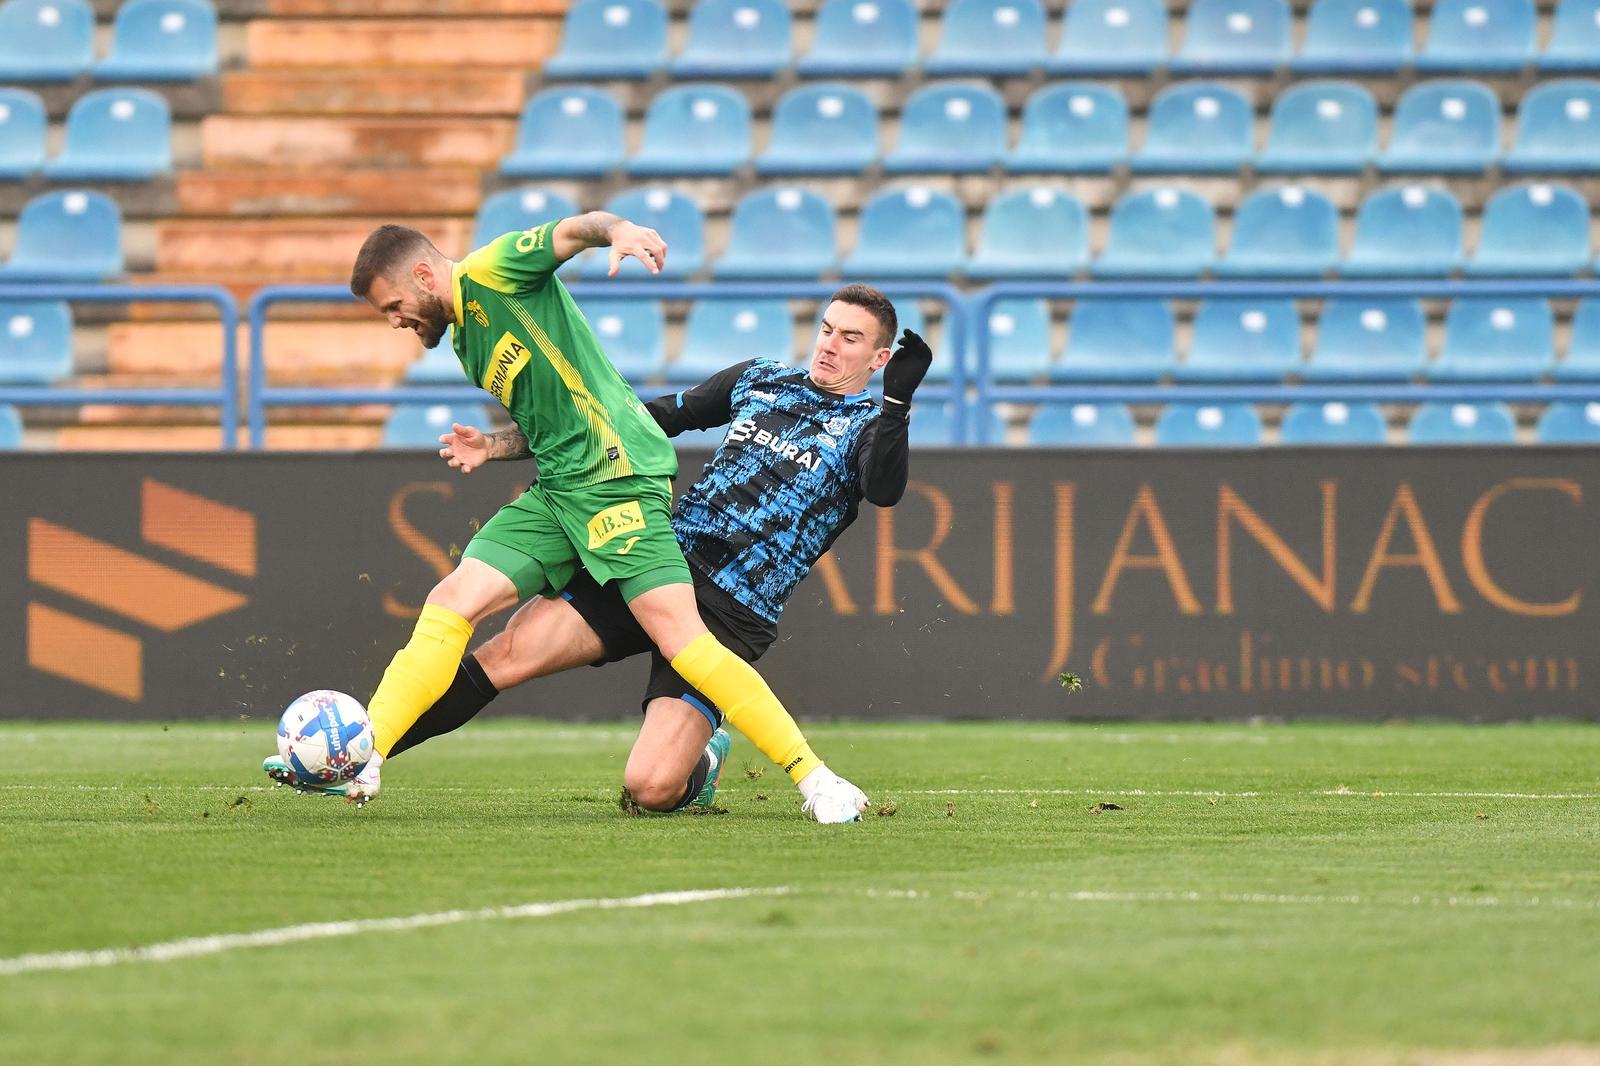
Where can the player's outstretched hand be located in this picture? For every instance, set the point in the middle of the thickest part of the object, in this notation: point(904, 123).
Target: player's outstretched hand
point(907, 367)
point(642, 243)
point(465, 448)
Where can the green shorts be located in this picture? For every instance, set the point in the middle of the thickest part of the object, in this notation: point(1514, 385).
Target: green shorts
point(619, 530)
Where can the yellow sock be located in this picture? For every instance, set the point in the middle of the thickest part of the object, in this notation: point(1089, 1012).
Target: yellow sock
point(749, 705)
point(418, 675)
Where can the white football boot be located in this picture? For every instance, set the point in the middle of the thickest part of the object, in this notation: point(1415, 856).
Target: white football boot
point(830, 799)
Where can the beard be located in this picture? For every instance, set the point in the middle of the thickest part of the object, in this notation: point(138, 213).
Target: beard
point(434, 317)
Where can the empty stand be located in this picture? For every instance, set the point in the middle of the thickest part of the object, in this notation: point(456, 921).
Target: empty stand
point(1198, 127)
point(1496, 340)
point(1574, 37)
point(1111, 37)
point(611, 39)
point(45, 40)
point(10, 427)
point(736, 39)
point(1582, 362)
point(862, 38)
point(719, 333)
point(1235, 36)
point(161, 40)
point(1328, 127)
point(1333, 424)
point(1449, 126)
point(1558, 128)
point(567, 132)
point(1229, 425)
point(1167, 232)
point(827, 128)
point(1019, 340)
point(914, 232)
point(1287, 232)
point(1463, 423)
point(694, 130)
point(983, 37)
point(1077, 127)
point(1082, 425)
point(950, 128)
point(518, 209)
point(1369, 340)
point(1244, 341)
point(35, 342)
point(783, 233)
point(1479, 36)
point(1356, 37)
point(1411, 231)
point(670, 213)
point(418, 425)
point(23, 127)
point(1569, 423)
point(1533, 230)
point(632, 332)
point(1032, 233)
point(115, 135)
point(66, 236)
point(1129, 341)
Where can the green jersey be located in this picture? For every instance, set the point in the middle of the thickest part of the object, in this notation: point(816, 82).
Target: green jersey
point(519, 335)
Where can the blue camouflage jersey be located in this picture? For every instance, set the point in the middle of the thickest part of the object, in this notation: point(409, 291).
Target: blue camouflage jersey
point(785, 482)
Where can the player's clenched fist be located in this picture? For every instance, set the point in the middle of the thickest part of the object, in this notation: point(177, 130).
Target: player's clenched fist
point(906, 368)
point(464, 447)
point(641, 242)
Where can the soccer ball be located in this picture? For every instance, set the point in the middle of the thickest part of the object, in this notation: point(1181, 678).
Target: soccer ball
point(325, 736)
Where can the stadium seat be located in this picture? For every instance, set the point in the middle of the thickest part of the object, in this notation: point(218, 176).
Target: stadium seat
point(694, 130)
point(1111, 37)
point(1582, 362)
point(1197, 127)
point(1327, 127)
point(1235, 36)
point(1480, 36)
point(567, 132)
point(1463, 423)
point(611, 39)
point(161, 40)
point(1287, 232)
point(1032, 233)
point(45, 40)
point(950, 128)
point(1166, 232)
point(516, 210)
point(438, 365)
point(632, 332)
point(720, 333)
point(1574, 37)
point(933, 426)
point(115, 135)
point(1411, 231)
point(1077, 127)
point(673, 215)
point(66, 236)
point(1510, 339)
point(1082, 425)
point(821, 129)
point(1243, 340)
point(1333, 424)
point(983, 37)
point(23, 129)
point(1228, 425)
point(1019, 340)
point(1356, 37)
point(419, 425)
point(1536, 230)
point(862, 39)
point(1369, 340)
point(1569, 423)
point(35, 342)
point(1118, 341)
point(1450, 126)
point(913, 232)
point(780, 233)
point(1558, 128)
point(736, 39)
point(10, 427)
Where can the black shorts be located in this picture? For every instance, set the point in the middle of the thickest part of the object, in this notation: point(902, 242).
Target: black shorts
point(740, 630)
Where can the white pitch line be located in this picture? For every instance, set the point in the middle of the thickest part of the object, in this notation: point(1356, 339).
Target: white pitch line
point(1257, 898)
point(193, 947)
point(1383, 792)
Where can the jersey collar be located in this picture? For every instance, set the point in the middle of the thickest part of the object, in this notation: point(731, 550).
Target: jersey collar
point(457, 272)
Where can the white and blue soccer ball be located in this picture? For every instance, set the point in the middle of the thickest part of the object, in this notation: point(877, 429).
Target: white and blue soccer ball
point(325, 736)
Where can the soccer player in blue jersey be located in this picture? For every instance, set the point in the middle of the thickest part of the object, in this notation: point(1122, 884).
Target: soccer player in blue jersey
point(803, 448)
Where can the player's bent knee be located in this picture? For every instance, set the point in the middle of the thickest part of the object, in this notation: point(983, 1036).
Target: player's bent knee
point(474, 590)
point(654, 789)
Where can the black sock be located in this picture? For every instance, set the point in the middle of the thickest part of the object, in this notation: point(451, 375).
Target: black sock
point(697, 781)
point(469, 692)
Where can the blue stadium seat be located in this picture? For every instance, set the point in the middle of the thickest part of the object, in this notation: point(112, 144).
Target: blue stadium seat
point(1235, 36)
point(909, 233)
point(1356, 37)
point(1536, 230)
point(66, 236)
point(1582, 362)
point(1480, 36)
point(862, 38)
point(35, 342)
point(1032, 233)
point(1168, 232)
point(1327, 127)
point(1569, 423)
point(1369, 340)
point(1197, 127)
point(673, 215)
point(1558, 128)
point(933, 424)
point(1111, 37)
point(632, 333)
point(720, 333)
point(1228, 425)
point(1019, 340)
point(821, 129)
point(1333, 424)
point(518, 209)
point(569, 132)
point(45, 40)
point(1451, 126)
point(438, 365)
point(1118, 341)
point(950, 128)
point(985, 37)
point(161, 40)
point(736, 39)
point(693, 130)
point(785, 232)
point(10, 427)
point(23, 129)
point(1075, 127)
point(420, 425)
point(1486, 339)
point(1411, 231)
point(1287, 232)
point(1463, 423)
point(1574, 37)
point(1082, 425)
point(611, 39)
point(115, 135)
point(1243, 340)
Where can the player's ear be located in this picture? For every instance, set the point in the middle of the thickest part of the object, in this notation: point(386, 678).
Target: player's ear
point(422, 274)
point(880, 358)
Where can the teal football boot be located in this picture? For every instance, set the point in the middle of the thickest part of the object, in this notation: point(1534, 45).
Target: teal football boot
point(718, 750)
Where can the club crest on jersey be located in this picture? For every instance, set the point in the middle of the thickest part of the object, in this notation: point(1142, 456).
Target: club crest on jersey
point(509, 357)
point(613, 522)
point(745, 430)
point(478, 314)
point(837, 426)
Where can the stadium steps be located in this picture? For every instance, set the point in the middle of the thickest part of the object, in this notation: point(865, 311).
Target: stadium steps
point(274, 143)
point(399, 42)
point(191, 438)
point(284, 91)
point(393, 192)
point(291, 248)
point(296, 351)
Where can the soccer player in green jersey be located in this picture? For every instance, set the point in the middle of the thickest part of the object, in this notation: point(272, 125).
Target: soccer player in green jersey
point(603, 498)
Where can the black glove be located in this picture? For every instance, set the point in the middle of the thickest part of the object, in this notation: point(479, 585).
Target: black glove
point(906, 369)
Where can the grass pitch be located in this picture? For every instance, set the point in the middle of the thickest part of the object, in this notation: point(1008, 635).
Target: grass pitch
point(1082, 894)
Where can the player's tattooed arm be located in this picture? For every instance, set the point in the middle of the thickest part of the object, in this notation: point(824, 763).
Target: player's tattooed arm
point(599, 229)
point(508, 444)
